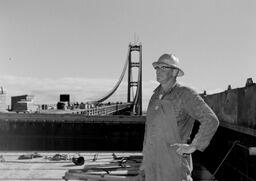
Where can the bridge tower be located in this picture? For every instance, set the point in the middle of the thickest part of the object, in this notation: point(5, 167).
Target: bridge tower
point(137, 100)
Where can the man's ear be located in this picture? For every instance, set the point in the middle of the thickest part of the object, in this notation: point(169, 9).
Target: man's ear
point(175, 72)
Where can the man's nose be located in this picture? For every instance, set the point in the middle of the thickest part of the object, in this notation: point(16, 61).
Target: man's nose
point(158, 71)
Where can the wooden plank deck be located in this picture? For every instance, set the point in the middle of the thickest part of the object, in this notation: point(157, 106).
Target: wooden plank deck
point(42, 168)
point(38, 169)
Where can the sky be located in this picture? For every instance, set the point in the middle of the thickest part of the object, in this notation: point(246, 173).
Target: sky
point(50, 47)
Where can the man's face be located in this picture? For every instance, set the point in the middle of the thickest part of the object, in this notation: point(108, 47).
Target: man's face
point(164, 74)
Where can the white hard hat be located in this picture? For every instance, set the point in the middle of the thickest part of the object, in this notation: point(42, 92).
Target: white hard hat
point(169, 60)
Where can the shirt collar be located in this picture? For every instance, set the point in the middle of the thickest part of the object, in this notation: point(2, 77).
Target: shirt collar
point(158, 88)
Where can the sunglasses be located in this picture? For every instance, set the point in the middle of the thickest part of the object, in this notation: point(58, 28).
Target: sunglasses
point(162, 68)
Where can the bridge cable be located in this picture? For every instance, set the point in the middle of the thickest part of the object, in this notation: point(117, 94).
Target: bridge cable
point(132, 88)
point(110, 93)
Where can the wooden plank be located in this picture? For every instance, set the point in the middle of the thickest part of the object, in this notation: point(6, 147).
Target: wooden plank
point(44, 169)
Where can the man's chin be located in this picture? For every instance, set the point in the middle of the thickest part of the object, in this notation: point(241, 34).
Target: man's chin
point(159, 78)
point(159, 81)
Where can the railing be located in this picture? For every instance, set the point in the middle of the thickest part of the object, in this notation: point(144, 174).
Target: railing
point(106, 110)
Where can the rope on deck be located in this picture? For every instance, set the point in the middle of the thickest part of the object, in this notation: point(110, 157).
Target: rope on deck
point(236, 143)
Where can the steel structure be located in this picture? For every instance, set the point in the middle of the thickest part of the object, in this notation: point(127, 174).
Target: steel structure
point(134, 102)
point(137, 100)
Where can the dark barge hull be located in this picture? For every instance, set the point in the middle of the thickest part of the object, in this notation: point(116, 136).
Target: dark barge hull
point(70, 132)
point(236, 110)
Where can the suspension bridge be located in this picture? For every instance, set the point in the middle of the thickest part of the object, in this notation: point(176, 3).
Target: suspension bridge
point(133, 106)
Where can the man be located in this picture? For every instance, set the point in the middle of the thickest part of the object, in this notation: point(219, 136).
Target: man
point(171, 113)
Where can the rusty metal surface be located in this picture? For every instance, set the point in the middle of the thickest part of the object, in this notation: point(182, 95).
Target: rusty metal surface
point(235, 106)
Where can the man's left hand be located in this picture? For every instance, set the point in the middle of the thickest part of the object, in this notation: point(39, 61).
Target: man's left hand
point(184, 149)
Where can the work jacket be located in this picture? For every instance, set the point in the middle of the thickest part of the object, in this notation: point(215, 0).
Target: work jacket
point(170, 119)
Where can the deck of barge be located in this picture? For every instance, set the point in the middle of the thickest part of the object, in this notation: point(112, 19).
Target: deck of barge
point(39, 169)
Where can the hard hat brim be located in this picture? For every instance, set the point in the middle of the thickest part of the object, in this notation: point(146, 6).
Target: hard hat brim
point(181, 73)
